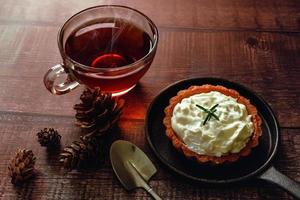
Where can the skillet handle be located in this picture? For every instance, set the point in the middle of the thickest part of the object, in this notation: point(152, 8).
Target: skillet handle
point(289, 185)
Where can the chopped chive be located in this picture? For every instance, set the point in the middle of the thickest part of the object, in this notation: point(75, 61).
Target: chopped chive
point(210, 113)
point(204, 109)
point(206, 119)
point(212, 108)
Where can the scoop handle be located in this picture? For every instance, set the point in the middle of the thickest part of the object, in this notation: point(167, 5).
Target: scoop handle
point(151, 191)
point(289, 185)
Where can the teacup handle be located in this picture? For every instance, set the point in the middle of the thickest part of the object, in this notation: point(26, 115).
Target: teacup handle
point(60, 88)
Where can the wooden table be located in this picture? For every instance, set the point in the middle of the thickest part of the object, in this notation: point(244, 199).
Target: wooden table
point(254, 43)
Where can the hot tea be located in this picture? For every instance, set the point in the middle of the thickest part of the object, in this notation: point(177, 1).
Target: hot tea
point(109, 43)
point(106, 46)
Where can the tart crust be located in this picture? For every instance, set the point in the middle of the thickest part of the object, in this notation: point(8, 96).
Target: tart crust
point(231, 157)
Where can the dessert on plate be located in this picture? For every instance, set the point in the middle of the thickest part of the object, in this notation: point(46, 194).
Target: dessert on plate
point(213, 124)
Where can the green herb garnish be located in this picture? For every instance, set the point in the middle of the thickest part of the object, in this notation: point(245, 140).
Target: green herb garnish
point(210, 113)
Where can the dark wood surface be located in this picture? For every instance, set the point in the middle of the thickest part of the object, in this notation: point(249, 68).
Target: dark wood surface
point(255, 43)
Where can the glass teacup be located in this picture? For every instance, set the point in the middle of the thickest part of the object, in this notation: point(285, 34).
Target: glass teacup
point(108, 46)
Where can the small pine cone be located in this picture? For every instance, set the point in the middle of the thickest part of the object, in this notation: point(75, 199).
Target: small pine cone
point(82, 154)
point(49, 137)
point(98, 111)
point(21, 167)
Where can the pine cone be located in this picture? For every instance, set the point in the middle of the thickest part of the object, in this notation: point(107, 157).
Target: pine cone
point(98, 111)
point(49, 137)
point(21, 167)
point(82, 154)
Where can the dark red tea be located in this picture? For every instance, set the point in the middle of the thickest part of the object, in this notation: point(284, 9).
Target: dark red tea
point(109, 43)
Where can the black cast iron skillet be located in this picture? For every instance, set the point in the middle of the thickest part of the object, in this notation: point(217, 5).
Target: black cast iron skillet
point(256, 165)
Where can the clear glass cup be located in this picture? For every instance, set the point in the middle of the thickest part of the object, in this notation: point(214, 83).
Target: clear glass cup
point(117, 80)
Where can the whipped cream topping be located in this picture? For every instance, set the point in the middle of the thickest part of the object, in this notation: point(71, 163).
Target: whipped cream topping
point(229, 134)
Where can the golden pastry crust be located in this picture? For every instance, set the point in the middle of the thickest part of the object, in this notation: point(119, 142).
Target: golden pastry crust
point(179, 144)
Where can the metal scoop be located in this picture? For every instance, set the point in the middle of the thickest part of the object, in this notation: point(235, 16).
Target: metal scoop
point(132, 166)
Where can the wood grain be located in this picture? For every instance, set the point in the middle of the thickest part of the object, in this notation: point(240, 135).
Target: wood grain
point(51, 182)
point(253, 42)
point(260, 15)
point(266, 59)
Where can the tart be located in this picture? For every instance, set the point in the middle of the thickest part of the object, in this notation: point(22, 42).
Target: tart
point(212, 124)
